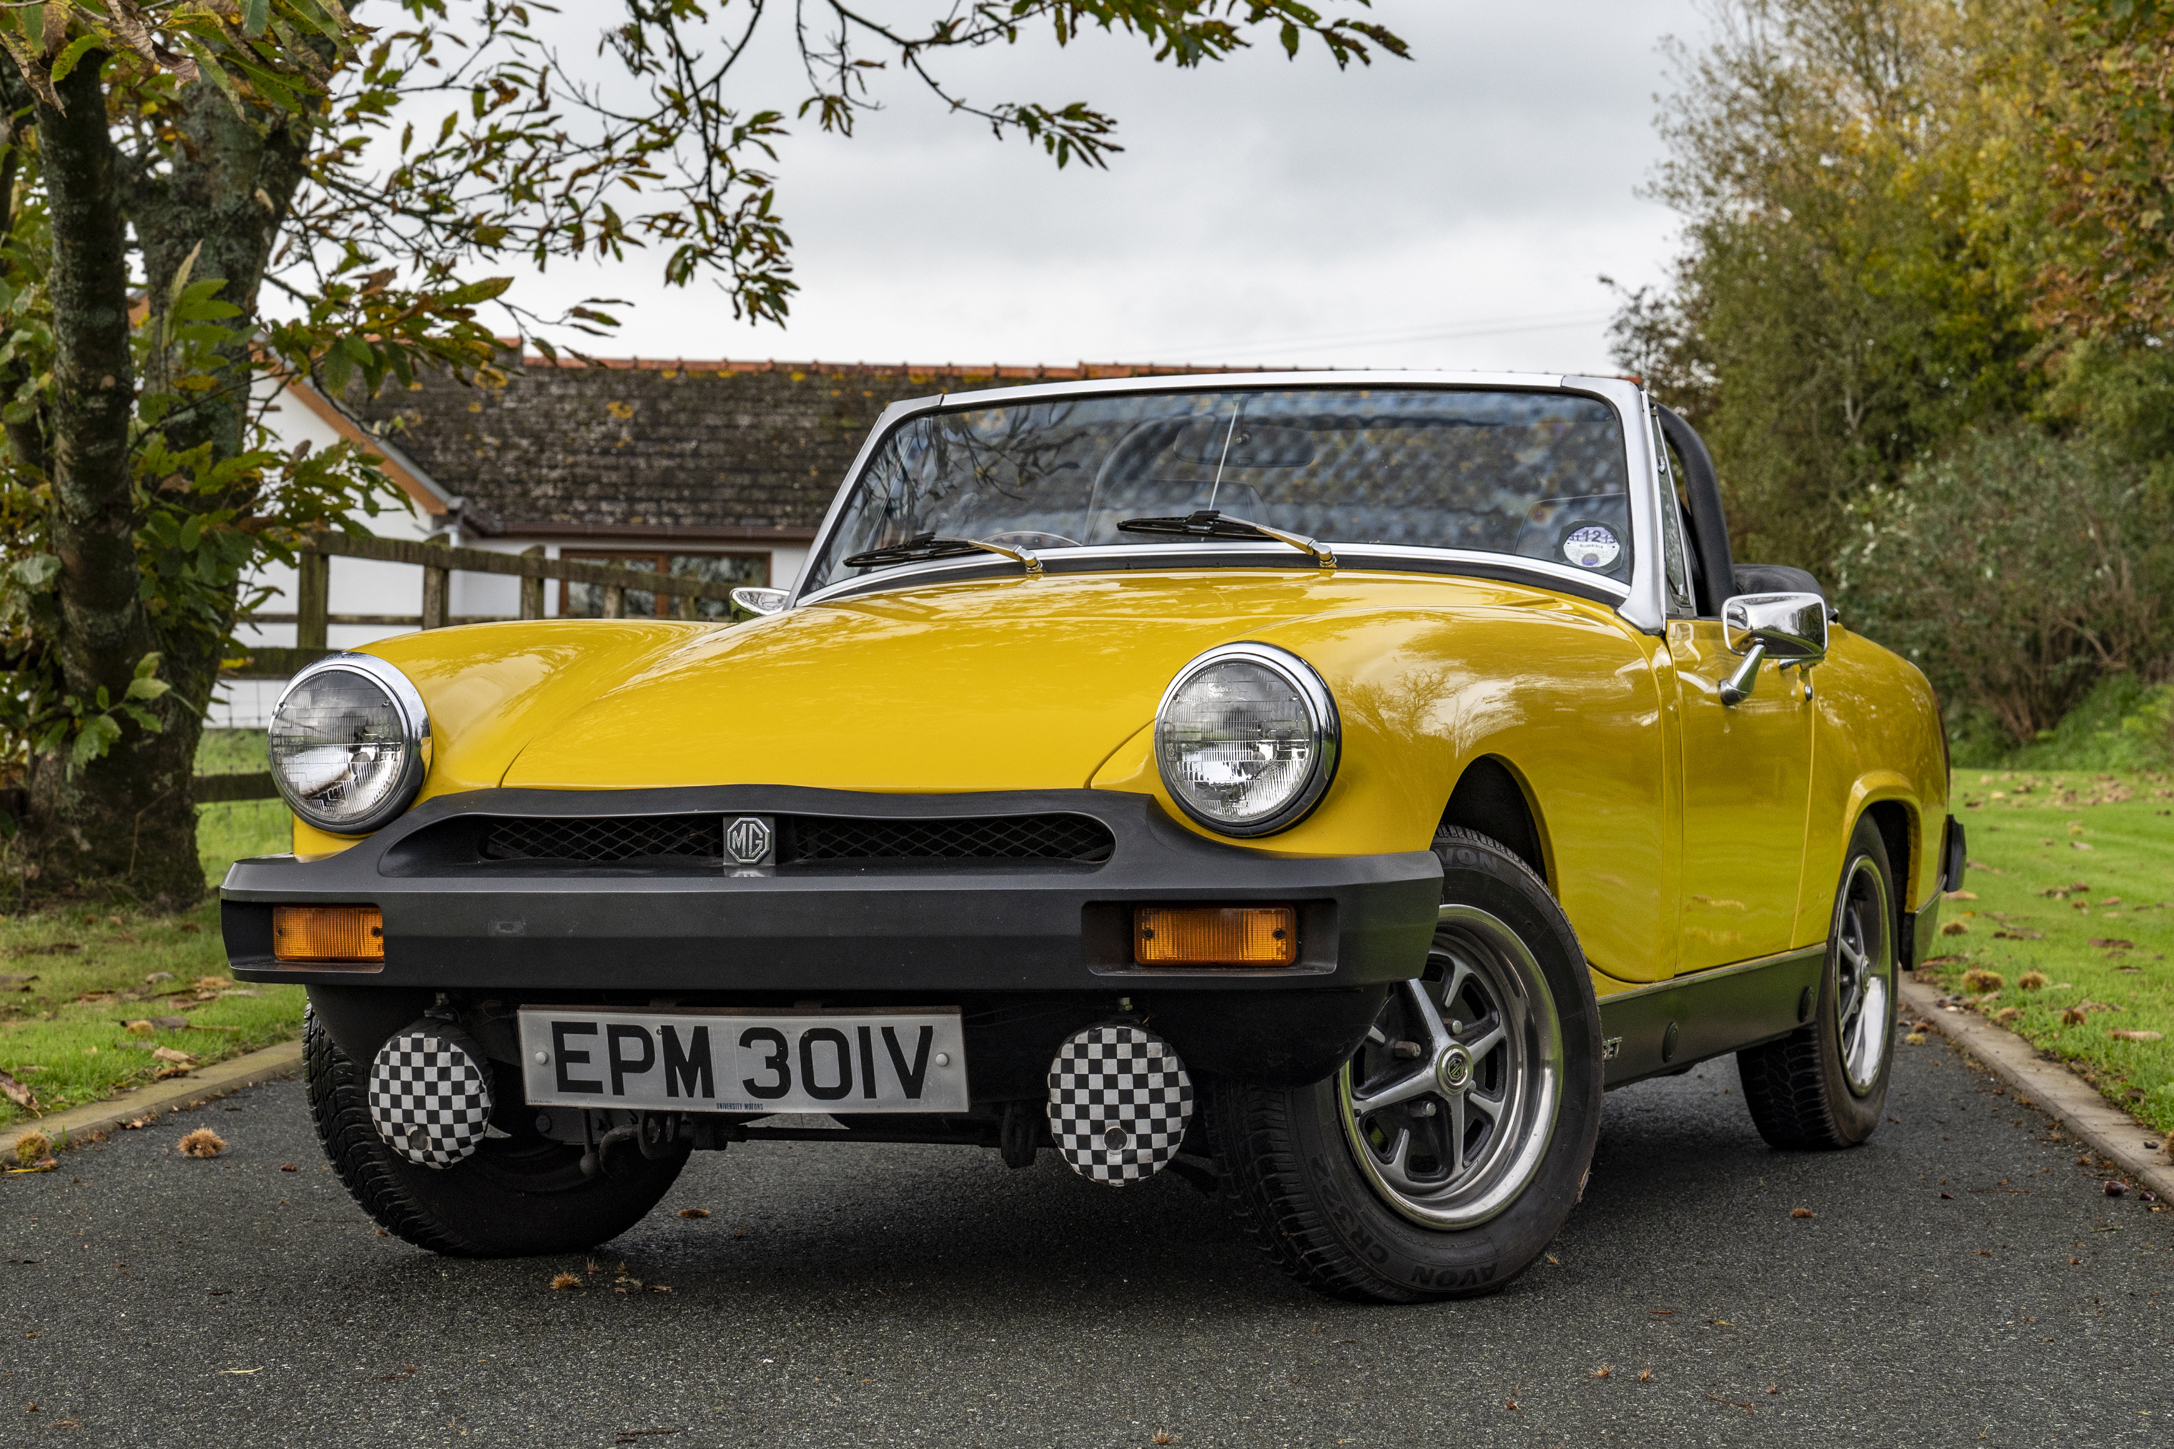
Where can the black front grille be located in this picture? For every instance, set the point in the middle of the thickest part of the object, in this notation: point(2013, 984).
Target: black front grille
point(1002, 837)
point(606, 839)
point(802, 839)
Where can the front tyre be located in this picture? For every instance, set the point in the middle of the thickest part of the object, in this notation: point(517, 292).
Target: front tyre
point(1825, 1083)
point(1446, 1154)
point(515, 1196)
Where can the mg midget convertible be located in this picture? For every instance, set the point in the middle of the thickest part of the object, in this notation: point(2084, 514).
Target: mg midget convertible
point(1320, 786)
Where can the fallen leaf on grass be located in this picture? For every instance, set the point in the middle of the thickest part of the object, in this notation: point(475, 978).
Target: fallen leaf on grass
point(1959, 895)
point(1955, 928)
point(17, 1093)
point(694, 1212)
point(168, 1054)
point(2081, 845)
point(163, 1073)
point(203, 1142)
point(2126, 1035)
point(158, 976)
point(2006, 935)
point(2110, 943)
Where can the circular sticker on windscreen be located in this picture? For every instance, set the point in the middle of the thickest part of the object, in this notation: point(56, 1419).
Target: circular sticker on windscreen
point(1592, 547)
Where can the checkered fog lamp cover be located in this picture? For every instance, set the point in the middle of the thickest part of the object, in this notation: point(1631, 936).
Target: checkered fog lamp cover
point(429, 1094)
point(1119, 1100)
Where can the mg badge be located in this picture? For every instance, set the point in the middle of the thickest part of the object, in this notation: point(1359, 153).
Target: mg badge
point(749, 840)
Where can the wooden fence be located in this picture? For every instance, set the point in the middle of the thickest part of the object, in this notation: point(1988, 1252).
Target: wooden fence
point(312, 617)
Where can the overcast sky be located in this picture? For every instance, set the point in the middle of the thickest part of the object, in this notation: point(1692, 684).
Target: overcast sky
point(1454, 210)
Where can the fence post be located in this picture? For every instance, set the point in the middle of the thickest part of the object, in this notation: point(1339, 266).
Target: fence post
point(436, 607)
point(313, 591)
point(532, 590)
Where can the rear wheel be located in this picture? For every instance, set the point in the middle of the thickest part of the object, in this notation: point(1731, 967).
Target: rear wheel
point(1446, 1154)
point(516, 1195)
point(1824, 1084)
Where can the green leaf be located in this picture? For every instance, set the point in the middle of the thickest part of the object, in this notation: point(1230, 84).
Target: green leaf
point(36, 572)
point(99, 734)
point(75, 50)
point(255, 15)
point(146, 688)
point(481, 291)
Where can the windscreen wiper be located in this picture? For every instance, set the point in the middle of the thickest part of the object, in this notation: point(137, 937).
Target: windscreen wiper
point(923, 547)
point(1213, 523)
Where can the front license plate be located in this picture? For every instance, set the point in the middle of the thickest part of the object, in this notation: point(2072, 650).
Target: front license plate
point(744, 1061)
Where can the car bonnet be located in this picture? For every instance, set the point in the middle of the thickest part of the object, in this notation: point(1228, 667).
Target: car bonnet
point(1003, 685)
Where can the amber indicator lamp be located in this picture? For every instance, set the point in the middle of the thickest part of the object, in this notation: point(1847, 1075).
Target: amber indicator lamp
point(328, 933)
point(1214, 936)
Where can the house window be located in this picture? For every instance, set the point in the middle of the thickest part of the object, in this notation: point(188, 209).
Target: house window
point(586, 601)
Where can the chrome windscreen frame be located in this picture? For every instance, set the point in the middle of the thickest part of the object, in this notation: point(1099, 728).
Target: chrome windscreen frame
point(1640, 603)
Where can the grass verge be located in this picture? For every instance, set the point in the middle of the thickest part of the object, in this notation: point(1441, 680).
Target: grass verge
point(2072, 878)
point(71, 980)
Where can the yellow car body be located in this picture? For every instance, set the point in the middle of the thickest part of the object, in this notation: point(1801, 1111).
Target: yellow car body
point(1692, 773)
point(1670, 830)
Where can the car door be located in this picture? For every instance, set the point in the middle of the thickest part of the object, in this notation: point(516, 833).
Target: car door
point(1747, 772)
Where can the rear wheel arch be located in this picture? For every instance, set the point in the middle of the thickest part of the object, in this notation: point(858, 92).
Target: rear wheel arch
point(1492, 799)
point(1898, 827)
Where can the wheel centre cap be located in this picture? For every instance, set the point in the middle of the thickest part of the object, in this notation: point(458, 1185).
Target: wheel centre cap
point(1453, 1068)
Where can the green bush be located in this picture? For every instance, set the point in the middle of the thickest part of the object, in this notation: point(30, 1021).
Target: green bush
point(2123, 724)
point(2018, 571)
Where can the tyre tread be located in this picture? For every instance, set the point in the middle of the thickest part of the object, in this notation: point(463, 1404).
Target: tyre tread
point(1261, 1179)
point(341, 1113)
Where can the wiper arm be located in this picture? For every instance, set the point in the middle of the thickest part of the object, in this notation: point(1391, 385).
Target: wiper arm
point(1213, 523)
point(923, 547)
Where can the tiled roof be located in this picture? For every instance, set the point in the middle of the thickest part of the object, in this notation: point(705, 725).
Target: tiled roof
point(646, 447)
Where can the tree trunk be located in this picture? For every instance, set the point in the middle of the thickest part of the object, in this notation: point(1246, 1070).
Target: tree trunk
point(126, 822)
point(113, 822)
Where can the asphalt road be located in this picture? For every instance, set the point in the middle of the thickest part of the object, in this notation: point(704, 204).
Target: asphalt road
point(904, 1295)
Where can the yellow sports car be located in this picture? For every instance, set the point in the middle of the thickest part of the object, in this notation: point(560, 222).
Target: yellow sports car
point(1323, 787)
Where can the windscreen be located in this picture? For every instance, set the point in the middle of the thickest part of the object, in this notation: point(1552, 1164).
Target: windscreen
point(1536, 474)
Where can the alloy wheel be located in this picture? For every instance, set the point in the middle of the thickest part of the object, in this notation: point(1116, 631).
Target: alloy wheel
point(1865, 975)
point(1449, 1103)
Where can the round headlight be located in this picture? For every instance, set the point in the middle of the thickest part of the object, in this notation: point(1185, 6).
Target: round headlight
point(349, 743)
point(1247, 739)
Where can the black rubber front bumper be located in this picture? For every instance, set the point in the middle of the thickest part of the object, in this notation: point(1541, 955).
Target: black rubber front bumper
point(897, 931)
point(963, 926)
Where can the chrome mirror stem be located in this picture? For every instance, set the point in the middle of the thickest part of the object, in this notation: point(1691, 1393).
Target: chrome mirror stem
point(1737, 687)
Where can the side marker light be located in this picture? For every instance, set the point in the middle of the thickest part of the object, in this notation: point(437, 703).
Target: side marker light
point(1215, 936)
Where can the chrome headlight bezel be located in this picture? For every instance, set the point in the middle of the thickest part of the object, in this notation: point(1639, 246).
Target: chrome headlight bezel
point(1325, 737)
point(415, 728)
